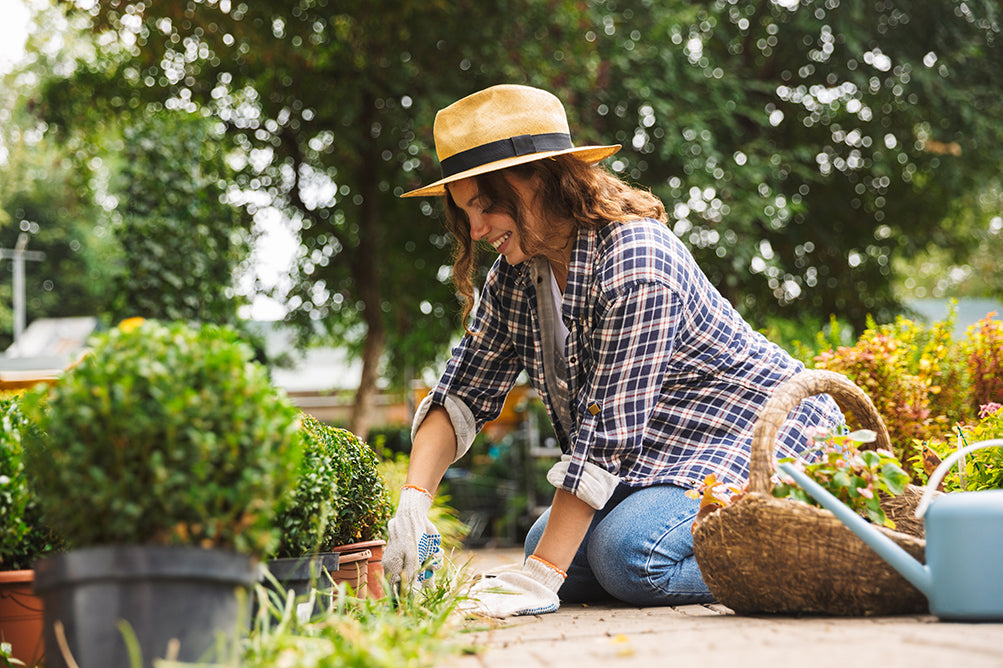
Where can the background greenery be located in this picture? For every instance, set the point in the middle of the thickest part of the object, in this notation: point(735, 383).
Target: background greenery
point(811, 153)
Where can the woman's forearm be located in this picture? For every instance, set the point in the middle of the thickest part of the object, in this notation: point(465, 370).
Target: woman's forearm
point(433, 450)
point(569, 520)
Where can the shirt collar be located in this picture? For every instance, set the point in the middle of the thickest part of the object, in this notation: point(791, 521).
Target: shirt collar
point(580, 271)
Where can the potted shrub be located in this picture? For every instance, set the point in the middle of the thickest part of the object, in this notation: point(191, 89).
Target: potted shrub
point(164, 451)
point(362, 508)
point(336, 515)
point(23, 539)
point(303, 559)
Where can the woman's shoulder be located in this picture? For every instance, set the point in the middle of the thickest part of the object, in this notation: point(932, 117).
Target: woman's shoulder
point(640, 249)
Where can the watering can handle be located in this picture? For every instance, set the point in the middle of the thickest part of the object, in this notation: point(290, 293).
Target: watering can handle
point(945, 465)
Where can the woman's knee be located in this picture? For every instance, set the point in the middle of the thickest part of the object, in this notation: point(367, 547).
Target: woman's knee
point(648, 563)
point(649, 575)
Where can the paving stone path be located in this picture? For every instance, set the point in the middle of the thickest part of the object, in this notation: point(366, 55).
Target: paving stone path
point(614, 636)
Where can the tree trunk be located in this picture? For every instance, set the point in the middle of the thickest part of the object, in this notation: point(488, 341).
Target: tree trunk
point(365, 270)
point(363, 408)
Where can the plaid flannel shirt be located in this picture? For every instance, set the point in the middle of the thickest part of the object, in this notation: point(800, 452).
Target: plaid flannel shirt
point(665, 378)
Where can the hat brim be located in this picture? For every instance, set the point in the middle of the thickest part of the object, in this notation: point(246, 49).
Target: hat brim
point(587, 154)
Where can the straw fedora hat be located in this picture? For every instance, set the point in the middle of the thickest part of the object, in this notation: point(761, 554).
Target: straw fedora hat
point(499, 127)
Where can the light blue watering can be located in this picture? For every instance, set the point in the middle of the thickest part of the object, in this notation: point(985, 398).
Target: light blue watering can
point(963, 575)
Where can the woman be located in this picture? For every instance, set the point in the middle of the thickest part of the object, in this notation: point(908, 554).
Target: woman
point(651, 379)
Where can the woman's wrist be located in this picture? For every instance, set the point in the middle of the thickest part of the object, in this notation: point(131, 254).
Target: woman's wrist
point(569, 521)
point(419, 489)
point(560, 571)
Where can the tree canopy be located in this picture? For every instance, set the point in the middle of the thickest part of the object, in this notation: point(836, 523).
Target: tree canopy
point(803, 145)
point(800, 146)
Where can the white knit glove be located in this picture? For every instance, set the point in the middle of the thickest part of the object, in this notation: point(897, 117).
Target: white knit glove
point(413, 552)
point(531, 591)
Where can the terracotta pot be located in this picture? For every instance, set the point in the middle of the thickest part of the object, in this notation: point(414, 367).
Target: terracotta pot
point(353, 571)
point(21, 616)
point(374, 567)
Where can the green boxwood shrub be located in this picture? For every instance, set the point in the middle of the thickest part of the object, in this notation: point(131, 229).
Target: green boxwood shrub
point(164, 434)
point(13, 488)
point(340, 496)
point(23, 536)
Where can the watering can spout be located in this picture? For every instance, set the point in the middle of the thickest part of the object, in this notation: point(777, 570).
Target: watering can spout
point(913, 571)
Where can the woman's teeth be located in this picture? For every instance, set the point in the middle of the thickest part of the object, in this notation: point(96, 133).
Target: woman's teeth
point(497, 243)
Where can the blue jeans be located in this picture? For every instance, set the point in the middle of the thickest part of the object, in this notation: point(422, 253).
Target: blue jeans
point(639, 549)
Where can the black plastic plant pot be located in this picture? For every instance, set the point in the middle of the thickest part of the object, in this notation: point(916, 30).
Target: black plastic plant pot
point(178, 601)
point(301, 574)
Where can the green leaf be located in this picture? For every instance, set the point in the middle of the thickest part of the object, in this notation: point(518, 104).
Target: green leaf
point(877, 516)
point(894, 478)
point(842, 479)
point(863, 436)
point(871, 458)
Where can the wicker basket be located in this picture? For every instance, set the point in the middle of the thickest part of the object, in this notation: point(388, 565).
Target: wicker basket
point(767, 555)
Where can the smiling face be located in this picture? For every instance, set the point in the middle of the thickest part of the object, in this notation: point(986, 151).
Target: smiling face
point(493, 224)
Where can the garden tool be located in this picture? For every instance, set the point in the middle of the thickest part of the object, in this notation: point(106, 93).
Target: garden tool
point(963, 577)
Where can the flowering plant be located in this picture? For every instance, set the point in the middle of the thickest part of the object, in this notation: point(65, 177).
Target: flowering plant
point(856, 477)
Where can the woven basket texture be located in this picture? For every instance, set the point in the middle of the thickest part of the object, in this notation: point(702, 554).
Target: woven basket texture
point(763, 555)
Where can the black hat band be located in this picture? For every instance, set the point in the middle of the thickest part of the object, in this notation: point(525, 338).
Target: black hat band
point(502, 149)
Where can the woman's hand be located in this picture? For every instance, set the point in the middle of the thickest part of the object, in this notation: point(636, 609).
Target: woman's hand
point(413, 549)
point(531, 591)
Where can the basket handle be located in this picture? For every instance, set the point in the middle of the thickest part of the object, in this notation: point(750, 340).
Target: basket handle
point(848, 396)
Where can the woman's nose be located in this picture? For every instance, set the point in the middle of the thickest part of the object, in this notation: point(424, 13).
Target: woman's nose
point(478, 228)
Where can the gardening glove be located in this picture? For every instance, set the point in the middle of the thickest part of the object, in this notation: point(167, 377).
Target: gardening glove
point(414, 546)
point(531, 591)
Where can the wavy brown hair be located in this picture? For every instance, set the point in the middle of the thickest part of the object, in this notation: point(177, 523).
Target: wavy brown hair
point(588, 195)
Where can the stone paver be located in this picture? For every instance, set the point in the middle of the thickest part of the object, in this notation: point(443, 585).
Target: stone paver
point(612, 636)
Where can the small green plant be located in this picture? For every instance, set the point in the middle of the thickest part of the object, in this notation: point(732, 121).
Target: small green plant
point(418, 629)
point(23, 536)
point(13, 487)
point(305, 515)
point(340, 496)
point(856, 477)
point(163, 434)
point(981, 469)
